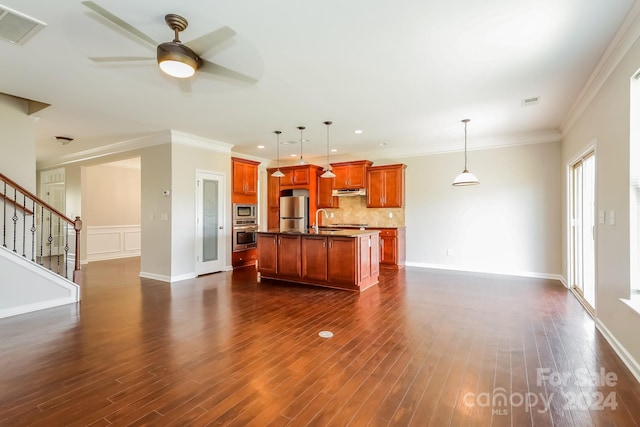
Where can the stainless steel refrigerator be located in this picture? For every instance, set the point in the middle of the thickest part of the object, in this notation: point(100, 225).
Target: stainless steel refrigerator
point(294, 213)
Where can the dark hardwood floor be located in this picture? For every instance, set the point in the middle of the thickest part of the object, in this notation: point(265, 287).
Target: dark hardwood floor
point(422, 348)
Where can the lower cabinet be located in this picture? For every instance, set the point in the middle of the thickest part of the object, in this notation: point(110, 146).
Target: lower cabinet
point(243, 258)
point(314, 258)
point(392, 247)
point(331, 261)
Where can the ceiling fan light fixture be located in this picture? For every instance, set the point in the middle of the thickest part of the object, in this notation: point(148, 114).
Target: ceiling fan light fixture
point(177, 60)
point(466, 177)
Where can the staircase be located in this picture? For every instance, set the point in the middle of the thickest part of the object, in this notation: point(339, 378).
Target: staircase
point(39, 253)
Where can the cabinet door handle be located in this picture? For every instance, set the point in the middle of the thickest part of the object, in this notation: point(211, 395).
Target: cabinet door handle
point(330, 244)
point(324, 244)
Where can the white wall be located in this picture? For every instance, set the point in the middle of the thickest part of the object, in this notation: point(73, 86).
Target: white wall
point(510, 223)
point(605, 121)
point(186, 159)
point(26, 287)
point(18, 141)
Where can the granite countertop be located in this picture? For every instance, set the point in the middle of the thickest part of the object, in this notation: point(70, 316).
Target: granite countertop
point(323, 232)
point(353, 226)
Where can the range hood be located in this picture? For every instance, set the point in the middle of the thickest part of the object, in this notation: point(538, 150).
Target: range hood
point(349, 192)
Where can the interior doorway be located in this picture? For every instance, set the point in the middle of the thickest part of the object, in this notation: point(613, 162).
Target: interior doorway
point(582, 201)
point(210, 235)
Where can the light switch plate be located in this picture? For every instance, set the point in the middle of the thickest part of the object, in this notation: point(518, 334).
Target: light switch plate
point(602, 214)
point(612, 217)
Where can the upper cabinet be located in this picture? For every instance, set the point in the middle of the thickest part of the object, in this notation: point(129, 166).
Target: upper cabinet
point(385, 186)
point(295, 176)
point(245, 180)
point(350, 175)
point(325, 187)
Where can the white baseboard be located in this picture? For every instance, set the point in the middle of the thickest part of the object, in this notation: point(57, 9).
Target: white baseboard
point(168, 279)
point(536, 275)
point(620, 350)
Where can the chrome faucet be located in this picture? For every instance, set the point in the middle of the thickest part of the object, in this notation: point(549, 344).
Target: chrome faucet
point(326, 215)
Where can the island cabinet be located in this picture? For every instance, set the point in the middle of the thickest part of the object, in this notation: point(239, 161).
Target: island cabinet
point(350, 175)
point(348, 261)
point(245, 180)
point(385, 186)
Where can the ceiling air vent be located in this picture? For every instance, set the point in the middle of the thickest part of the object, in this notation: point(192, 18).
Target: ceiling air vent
point(16, 27)
point(530, 101)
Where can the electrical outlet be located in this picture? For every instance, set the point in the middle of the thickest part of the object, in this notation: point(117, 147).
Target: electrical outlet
point(449, 252)
point(390, 214)
point(331, 214)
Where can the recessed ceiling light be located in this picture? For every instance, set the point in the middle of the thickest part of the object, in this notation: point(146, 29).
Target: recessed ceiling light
point(382, 144)
point(293, 155)
point(260, 146)
point(357, 131)
point(334, 150)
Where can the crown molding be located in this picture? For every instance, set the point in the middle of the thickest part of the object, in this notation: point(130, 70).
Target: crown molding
point(627, 35)
point(159, 138)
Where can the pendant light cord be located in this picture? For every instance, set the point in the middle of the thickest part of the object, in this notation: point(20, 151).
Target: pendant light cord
point(465, 121)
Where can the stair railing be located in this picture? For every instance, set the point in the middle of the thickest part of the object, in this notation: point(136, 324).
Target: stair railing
point(39, 232)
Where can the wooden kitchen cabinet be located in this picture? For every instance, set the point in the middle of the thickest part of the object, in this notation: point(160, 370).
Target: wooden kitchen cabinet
point(385, 186)
point(392, 247)
point(295, 176)
point(273, 190)
point(245, 180)
point(314, 258)
point(349, 261)
point(267, 253)
point(243, 258)
point(289, 260)
point(342, 260)
point(350, 175)
point(325, 187)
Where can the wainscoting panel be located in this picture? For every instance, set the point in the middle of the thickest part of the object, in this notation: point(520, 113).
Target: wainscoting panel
point(110, 242)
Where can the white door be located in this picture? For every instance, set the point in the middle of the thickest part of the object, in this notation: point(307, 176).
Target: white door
point(210, 231)
point(53, 229)
point(583, 228)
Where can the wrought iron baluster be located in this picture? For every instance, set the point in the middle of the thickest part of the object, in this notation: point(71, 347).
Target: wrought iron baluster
point(33, 231)
point(50, 238)
point(14, 218)
point(66, 250)
point(4, 216)
point(24, 225)
point(58, 234)
point(41, 234)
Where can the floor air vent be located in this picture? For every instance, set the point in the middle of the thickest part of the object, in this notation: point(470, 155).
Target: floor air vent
point(16, 27)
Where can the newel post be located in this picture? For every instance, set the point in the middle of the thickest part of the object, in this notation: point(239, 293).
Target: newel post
point(77, 276)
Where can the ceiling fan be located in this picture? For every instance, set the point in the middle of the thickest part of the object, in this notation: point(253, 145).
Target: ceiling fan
point(175, 58)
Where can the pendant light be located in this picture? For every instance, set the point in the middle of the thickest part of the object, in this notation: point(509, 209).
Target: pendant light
point(328, 173)
point(302, 162)
point(466, 177)
point(277, 173)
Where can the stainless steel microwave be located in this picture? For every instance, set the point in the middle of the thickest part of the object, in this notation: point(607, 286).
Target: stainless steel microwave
point(244, 211)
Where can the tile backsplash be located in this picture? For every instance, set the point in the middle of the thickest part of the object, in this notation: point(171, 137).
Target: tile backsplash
point(353, 210)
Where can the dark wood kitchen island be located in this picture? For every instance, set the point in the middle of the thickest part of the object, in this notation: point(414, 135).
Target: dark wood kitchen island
point(342, 259)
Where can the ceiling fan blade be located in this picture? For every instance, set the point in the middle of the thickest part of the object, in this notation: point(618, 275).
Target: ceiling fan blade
point(204, 43)
point(119, 22)
point(212, 68)
point(120, 58)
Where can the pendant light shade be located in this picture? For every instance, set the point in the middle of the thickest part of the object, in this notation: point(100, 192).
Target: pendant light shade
point(466, 177)
point(328, 173)
point(302, 162)
point(277, 173)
